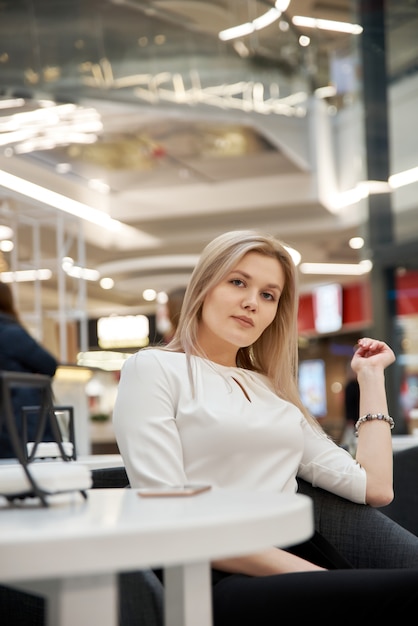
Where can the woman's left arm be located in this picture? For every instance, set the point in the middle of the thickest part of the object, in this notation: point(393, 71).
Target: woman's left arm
point(374, 447)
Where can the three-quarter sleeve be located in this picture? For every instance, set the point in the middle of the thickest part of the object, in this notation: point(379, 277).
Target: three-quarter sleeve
point(327, 465)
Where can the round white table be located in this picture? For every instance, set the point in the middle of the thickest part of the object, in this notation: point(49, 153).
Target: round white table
point(72, 550)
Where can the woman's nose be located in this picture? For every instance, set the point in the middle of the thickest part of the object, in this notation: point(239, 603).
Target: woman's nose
point(250, 302)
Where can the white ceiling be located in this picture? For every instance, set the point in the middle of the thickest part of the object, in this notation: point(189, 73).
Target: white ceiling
point(177, 175)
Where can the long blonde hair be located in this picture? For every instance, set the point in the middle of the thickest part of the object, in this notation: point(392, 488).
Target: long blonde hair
point(275, 352)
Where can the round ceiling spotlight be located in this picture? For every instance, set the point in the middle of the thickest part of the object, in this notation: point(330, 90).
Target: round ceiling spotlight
point(149, 295)
point(5, 232)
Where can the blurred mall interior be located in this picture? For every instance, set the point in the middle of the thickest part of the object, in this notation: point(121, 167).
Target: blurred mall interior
point(134, 131)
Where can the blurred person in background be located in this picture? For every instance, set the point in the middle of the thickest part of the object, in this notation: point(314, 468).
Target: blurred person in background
point(20, 352)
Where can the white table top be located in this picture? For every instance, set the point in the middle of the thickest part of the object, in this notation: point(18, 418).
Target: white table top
point(117, 530)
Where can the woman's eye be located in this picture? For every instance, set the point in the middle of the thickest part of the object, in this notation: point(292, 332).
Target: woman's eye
point(268, 296)
point(237, 281)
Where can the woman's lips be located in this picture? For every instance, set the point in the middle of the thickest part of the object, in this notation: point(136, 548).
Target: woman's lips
point(244, 321)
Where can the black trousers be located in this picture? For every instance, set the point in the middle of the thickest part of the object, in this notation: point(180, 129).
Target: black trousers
point(342, 595)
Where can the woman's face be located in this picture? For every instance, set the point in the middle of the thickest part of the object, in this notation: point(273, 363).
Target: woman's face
point(237, 310)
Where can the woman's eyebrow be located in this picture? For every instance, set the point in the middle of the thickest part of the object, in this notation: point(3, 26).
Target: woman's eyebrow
point(236, 271)
point(274, 286)
point(245, 275)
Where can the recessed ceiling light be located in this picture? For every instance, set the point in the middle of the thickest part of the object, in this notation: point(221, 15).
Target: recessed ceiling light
point(107, 283)
point(356, 243)
point(162, 297)
point(6, 245)
point(149, 294)
point(304, 41)
point(5, 232)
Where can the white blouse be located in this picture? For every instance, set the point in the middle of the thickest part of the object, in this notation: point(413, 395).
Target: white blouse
point(228, 429)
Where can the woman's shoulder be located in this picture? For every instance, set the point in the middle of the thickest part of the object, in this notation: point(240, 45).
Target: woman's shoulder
point(151, 357)
point(7, 320)
point(11, 329)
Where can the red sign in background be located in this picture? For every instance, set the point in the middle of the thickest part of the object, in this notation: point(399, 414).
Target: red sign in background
point(357, 304)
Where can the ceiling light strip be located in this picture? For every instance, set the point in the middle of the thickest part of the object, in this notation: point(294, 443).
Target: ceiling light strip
point(406, 177)
point(337, 27)
point(335, 269)
point(264, 20)
point(58, 201)
point(25, 275)
point(366, 188)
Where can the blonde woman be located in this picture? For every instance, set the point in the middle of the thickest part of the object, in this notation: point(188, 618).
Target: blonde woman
point(219, 404)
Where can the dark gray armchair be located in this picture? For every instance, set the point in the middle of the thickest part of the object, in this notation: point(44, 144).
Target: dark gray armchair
point(365, 536)
point(385, 537)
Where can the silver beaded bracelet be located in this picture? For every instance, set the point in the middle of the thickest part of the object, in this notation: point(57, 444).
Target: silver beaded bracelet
point(373, 416)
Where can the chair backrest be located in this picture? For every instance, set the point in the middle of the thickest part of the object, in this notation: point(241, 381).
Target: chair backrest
point(30, 477)
point(10, 381)
point(64, 417)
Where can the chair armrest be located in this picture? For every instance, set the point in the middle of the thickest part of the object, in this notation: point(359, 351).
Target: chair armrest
point(362, 534)
point(110, 478)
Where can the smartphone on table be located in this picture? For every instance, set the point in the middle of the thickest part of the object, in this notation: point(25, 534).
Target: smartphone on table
point(173, 490)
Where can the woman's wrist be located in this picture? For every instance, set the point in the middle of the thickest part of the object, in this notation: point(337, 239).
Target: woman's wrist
point(369, 417)
point(370, 375)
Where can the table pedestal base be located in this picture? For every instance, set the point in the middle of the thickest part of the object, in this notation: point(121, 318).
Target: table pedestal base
point(81, 601)
point(187, 601)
